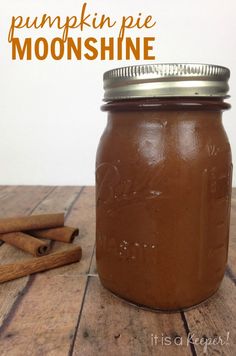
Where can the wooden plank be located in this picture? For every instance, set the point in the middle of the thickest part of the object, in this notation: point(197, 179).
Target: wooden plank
point(214, 319)
point(44, 322)
point(5, 189)
point(109, 326)
point(60, 199)
point(21, 200)
point(56, 327)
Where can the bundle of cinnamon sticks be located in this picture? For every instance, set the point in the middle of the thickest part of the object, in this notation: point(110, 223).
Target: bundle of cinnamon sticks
point(31, 234)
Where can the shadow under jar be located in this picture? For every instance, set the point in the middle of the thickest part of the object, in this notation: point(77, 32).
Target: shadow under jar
point(163, 184)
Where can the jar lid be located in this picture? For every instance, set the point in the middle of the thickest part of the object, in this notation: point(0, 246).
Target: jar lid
point(166, 80)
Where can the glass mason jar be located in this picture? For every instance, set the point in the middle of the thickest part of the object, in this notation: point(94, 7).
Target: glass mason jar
point(163, 184)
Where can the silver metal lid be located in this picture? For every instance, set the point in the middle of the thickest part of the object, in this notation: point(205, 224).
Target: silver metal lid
point(166, 80)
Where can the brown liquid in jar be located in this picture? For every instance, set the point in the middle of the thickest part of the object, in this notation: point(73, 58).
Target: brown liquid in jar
point(163, 184)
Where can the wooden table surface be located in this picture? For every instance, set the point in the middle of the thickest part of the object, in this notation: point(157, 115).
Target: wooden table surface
point(66, 311)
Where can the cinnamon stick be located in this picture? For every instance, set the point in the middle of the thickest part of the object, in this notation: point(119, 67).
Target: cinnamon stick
point(33, 222)
point(62, 234)
point(26, 243)
point(12, 271)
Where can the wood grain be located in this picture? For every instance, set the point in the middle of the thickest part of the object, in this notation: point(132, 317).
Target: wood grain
point(82, 215)
point(44, 322)
point(46, 200)
point(109, 326)
point(214, 318)
point(22, 200)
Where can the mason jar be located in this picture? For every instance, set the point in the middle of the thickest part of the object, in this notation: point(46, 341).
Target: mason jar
point(163, 184)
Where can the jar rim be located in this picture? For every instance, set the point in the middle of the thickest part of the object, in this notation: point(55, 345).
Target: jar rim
point(167, 104)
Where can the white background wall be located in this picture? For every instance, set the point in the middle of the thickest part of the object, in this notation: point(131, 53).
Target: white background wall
point(50, 121)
